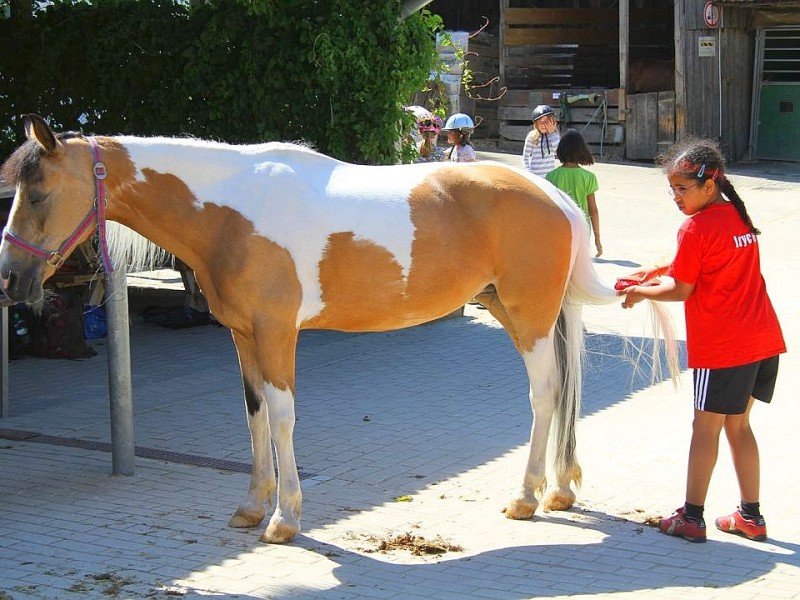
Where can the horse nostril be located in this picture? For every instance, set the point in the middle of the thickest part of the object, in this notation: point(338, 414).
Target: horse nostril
point(6, 279)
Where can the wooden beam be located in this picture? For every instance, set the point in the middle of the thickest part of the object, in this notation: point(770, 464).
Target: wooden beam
point(558, 16)
point(624, 28)
point(588, 37)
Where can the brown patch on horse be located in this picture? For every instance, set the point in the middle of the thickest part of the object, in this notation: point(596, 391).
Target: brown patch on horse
point(362, 286)
point(222, 275)
point(496, 226)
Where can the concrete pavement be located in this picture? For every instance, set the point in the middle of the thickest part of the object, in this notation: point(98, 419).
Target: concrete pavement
point(420, 432)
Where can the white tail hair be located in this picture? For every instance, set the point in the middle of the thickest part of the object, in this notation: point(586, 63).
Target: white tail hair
point(586, 287)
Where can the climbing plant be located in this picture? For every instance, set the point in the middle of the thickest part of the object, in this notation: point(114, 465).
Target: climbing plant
point(334, 73)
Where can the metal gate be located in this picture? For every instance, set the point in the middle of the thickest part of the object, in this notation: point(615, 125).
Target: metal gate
point(776, 90)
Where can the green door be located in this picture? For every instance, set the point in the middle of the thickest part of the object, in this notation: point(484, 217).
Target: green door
point(779, 122)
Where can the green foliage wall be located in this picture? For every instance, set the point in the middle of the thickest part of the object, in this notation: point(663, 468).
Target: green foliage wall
point(333, 73)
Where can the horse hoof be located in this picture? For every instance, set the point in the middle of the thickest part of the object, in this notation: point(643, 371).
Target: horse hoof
point(245, 517)
point(559, 500)
point(279, 533)
point(521, 509)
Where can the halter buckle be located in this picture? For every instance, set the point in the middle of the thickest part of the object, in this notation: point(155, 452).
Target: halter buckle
point(99, 170)
point(55, 260)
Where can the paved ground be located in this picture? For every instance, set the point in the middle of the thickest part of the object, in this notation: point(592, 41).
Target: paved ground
point(418, 432)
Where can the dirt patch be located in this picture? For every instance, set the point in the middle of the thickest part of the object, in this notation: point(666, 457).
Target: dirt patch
point(415, 544)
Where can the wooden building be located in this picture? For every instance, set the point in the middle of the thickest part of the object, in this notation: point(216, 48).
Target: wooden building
point(637, 76)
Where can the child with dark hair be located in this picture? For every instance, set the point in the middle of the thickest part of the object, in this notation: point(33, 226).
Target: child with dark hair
point(733, 334)
point(579, 183)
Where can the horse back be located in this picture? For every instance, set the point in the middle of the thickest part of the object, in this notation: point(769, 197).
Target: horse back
point(470, 226)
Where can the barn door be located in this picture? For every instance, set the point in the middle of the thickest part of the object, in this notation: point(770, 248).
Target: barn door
point(777, 127)
point(650, 127)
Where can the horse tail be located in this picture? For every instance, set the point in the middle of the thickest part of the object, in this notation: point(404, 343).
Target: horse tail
point(586, 287)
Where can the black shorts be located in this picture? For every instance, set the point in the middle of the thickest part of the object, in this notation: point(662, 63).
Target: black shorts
point(727, 391)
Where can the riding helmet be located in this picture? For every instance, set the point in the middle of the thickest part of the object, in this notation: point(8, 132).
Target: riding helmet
point(459, 122)
point(542, 111)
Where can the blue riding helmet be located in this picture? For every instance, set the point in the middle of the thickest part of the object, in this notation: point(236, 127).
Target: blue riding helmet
point(459, 122)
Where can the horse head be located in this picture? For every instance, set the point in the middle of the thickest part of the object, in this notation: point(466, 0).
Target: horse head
point(55, 188)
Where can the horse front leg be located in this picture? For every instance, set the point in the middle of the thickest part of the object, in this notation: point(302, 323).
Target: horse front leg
point(268, 375)
point(262, 477)
point(285, 522)
point(542, 372)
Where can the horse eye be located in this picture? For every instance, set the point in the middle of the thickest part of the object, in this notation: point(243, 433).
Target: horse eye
point(37, 197)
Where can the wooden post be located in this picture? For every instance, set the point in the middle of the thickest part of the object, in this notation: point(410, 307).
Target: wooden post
point(502, 44)
point(680, 69)
point(624, 29)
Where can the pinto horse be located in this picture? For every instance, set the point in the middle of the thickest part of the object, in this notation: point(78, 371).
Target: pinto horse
point(282, 238)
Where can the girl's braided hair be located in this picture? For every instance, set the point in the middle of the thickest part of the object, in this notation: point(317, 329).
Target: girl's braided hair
point(702, 159)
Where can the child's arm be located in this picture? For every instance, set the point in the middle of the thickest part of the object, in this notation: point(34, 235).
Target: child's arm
point(594, 218)
point(527, 151)
point(667, 290)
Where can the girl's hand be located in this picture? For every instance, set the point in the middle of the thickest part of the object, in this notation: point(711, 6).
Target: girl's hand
point(647, 274)
point(599, 248)
point(632, 297)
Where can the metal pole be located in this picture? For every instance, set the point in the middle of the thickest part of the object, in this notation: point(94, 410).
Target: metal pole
point(120, 388)
point(5, 409)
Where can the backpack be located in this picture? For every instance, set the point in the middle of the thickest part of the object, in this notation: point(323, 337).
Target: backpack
point(58, 331)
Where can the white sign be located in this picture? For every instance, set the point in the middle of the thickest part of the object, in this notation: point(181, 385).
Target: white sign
point(706, 45)
point(712, 14)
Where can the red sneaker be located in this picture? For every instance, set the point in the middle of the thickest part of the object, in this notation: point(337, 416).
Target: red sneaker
point(753, 528)
point(678, 525)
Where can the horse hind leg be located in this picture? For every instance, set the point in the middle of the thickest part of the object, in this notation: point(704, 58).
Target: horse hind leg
point(541, 367)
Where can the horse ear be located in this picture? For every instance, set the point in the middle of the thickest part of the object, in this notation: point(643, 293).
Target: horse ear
point(38, 130)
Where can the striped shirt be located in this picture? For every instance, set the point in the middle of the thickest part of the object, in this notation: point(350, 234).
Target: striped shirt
point(540, 158)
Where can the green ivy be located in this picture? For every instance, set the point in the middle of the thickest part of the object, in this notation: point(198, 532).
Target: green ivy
point(335, 74)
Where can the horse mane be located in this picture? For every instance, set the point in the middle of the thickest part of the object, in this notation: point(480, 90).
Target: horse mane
point(134, 251)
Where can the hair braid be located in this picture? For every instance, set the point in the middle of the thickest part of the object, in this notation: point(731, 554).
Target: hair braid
point(726, 187)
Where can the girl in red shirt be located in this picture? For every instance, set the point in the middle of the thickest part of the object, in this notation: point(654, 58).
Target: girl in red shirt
point(733, 334)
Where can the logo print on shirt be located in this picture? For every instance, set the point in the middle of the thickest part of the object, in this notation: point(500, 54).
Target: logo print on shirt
point(742, 241)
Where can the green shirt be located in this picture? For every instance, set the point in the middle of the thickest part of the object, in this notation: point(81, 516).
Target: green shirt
point(575, 181)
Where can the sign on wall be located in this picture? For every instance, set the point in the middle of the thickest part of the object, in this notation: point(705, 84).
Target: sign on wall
point(712, 15)
point(706, 45)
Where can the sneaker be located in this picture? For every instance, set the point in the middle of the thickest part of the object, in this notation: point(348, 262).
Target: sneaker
point(681, 526)
point(753, 528)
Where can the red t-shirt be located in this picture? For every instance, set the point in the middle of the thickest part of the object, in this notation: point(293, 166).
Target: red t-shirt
point(729, 317)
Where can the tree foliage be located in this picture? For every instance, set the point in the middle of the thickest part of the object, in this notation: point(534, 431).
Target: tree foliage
point(334, 73)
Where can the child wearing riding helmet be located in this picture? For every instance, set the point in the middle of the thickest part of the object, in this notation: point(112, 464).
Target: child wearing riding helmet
point(733, 334)
point(459, 127)
point(539, 152)
point(427, 148)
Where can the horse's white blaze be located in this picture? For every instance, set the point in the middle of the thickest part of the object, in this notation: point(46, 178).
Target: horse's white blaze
point(298, 203)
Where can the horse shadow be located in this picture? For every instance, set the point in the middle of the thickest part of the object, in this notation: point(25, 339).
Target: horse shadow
point(621, 562)
point(630, 557)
